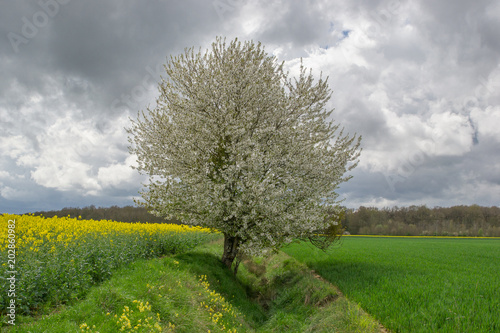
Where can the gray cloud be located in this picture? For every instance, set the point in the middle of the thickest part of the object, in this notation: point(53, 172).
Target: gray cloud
point(419, 81)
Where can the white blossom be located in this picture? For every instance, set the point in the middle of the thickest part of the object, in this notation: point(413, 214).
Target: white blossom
point(234, 144)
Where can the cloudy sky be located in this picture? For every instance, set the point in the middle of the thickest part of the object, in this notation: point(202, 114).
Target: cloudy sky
point(419, 80)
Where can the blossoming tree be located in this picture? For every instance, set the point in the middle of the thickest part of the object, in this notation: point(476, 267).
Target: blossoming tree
point(234, 144)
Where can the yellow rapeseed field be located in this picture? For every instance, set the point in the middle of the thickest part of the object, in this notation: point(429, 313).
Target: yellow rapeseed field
point(57, 259)
point(33, 231)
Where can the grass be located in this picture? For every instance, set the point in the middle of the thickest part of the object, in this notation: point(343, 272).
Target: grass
point(58, 259)
point(416, 284)
point(194, 292)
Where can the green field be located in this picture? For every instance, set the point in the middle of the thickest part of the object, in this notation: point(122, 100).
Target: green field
point(416, 284)
point(194, 292)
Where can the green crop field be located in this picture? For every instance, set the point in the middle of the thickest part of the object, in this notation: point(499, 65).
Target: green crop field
point(416, 284)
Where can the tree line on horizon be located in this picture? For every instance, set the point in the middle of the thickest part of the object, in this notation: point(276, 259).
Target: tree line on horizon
point(474, 220)
point(129, 214)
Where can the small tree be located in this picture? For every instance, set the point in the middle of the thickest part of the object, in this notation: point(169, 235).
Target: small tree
point(235, 145)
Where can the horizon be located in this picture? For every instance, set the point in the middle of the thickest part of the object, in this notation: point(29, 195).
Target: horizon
point(354, 209)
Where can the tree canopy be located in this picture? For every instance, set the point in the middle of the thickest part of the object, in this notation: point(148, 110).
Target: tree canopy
point(236, 145)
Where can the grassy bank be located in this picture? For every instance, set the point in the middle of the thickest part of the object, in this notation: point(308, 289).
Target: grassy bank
point(194, 292)
point(416, 284)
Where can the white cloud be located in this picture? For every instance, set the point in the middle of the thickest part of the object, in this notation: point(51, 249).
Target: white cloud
point(11, 193)
point(452, 134)
point(119, 175)
point(487, 122)
point(470, 190)
point(70, 176)
point(14, 146)
point(71, 150)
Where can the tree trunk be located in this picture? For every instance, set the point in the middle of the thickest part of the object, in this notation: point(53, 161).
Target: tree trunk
point(231, 247)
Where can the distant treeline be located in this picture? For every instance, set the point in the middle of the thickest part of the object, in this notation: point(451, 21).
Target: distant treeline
point(114, 213)
point(398, 221)
point(472, 220)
